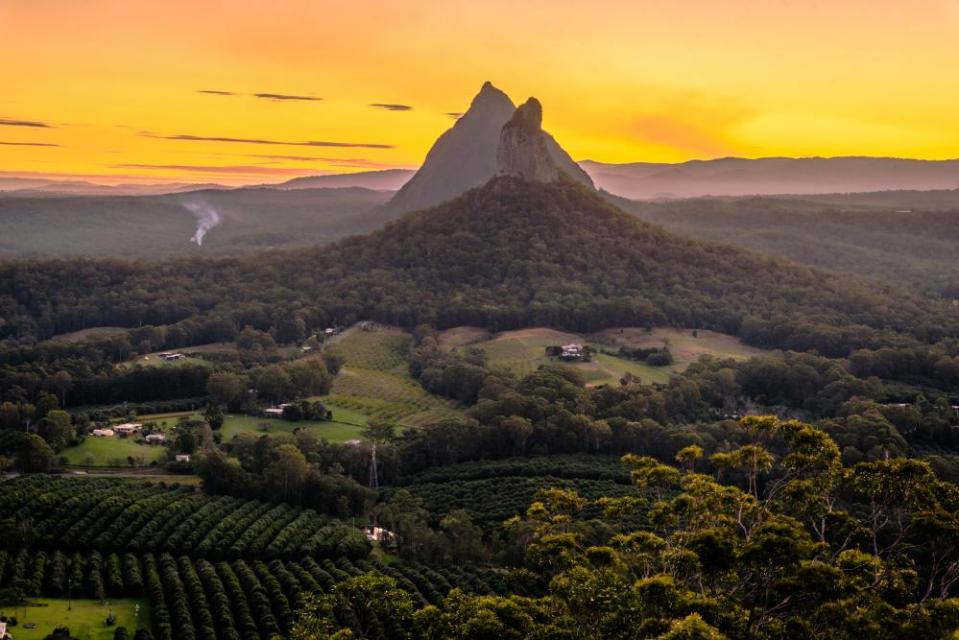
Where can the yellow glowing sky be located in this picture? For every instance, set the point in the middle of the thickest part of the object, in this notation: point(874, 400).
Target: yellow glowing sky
point(620, 80)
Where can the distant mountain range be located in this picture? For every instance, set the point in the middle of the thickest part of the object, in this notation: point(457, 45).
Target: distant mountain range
point(386, 180)
point(652, 180)
point(441, 179)
point(771, 176)
point(40, 186)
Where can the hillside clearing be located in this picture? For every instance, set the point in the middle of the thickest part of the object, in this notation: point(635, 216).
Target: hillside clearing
point(375, 380)
point(524, 350)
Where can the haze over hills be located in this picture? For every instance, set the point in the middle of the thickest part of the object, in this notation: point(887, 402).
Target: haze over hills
point(385, 180)
point(693, 179)
point(235, 221)
point(35, 186)
point(768, 176)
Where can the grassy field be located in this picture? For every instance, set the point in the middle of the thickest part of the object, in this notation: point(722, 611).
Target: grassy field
point(685, 347)
point(85, 618)
point(376, 383)
point(113, 452)
point(335, 431)
point(524, 351)
point(346, 424)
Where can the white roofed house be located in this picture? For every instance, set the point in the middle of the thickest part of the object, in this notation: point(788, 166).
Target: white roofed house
point(572, 352)
point(128, 427)
point(277, 411)
point(155, 438)
point(102, 433)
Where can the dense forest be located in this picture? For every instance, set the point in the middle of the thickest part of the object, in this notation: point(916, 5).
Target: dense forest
point(909, 238)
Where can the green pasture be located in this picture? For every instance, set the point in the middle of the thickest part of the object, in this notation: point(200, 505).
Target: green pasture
point(85, 618)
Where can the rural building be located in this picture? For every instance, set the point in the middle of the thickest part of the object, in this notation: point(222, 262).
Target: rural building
point(167, 355)
point(955, 409)
point(378, 534)
point(128, 428)
point(182, 457)
point(329, 332)
point(155, 438)
point(102, 433)
point(572, 351)
point(277, 411)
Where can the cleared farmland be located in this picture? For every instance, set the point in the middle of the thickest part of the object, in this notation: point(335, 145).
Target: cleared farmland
point(375, 380)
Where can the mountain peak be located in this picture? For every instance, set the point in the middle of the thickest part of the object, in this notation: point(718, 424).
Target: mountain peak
point(522, 148)
point(528, 152)
point(466, 156)
point(489, 98)
point(529, 115)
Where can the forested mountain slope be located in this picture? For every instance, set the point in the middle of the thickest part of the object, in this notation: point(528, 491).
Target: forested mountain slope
point(239, 221)
point(909, 238)
point(507, 255)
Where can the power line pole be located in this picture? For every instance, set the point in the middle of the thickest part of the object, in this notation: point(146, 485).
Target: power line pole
point(374, 470)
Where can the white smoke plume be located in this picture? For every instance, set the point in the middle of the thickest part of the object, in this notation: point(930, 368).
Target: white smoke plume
point(206, 218)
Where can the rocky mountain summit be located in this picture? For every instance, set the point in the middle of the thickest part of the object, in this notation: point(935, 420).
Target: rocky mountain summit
point(492, 138)
point(528, 152)
point(463, 158)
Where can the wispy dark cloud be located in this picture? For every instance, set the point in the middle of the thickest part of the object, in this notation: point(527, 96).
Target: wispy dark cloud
point(285, 96)
point(282, 157)
point(276, 97)
point(456, 115)
point(28, 144)
point(8, 122)
point(305, 143)
point(230, 169)
point(365, 163)
point(391, 107)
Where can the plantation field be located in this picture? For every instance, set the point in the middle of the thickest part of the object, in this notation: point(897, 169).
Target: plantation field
point(376, 383)
point(116, 516)
point(462, 336)
point(85, 618)
point(491, 501)
point(524, 351)
point(138, 475)
point(208, 566)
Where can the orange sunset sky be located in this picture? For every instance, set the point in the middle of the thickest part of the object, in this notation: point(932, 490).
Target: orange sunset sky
point(121, 90)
